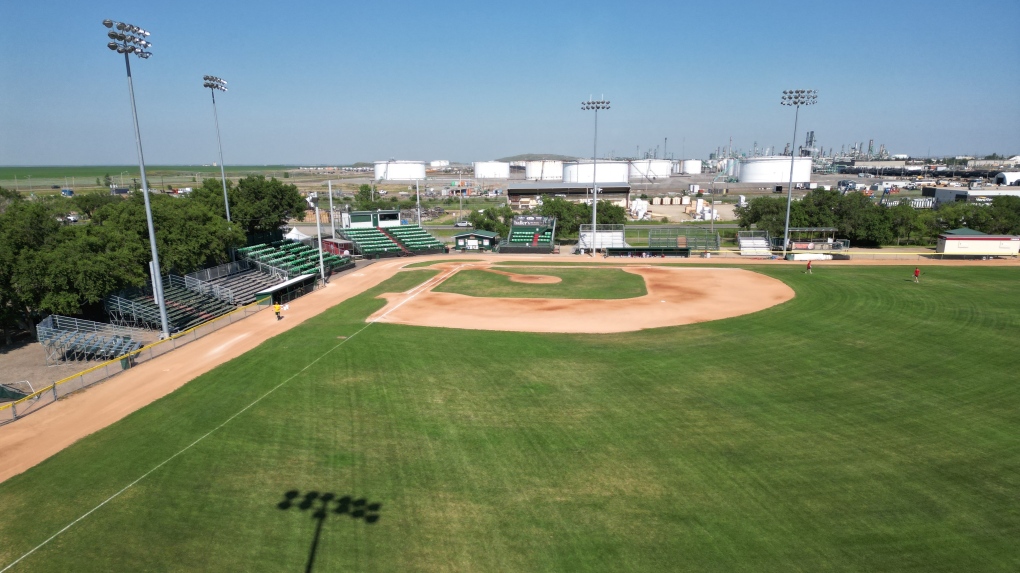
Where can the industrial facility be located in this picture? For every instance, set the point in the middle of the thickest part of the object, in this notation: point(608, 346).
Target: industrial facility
point(649, 170)
point(492, 170)
point(543, 170)
point(605, 171)
point(774, 169)
point(524, 196)
point(399, 170)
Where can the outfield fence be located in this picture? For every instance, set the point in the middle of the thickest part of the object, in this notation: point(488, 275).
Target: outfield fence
point(38, 400)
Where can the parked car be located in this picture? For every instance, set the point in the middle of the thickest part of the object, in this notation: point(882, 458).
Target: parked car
point(462, 224)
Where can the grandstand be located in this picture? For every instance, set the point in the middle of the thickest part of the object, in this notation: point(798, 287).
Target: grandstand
point(185, 308)
point(372, 243)
point(72, 339)
point(530, 234)
point(235, 282)
point(415, 239)
point(754, 243)
point(288, 259)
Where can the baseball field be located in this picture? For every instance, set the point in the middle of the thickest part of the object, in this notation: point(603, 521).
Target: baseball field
point(865, 424)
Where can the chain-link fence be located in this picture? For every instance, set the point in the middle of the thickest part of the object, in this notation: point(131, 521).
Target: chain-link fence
point(35, 401)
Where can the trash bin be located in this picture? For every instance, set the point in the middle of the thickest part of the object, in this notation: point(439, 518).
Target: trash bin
point(125, 363)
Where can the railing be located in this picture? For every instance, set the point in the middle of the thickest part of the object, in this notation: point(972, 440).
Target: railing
point(38, 400)
point(220, 292)
point(140, 315)
point(221, 271)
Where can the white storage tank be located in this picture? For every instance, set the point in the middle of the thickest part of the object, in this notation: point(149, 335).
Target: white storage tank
point(492, 170)
point(690, 166)
point(399, 170)
point(546, 170)
point(732, 167)
point(440, 163)
point(775, 169)
point(606, 171)
point(649, 169)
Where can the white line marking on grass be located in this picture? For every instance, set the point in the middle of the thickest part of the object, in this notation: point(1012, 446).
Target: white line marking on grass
point(228, 420)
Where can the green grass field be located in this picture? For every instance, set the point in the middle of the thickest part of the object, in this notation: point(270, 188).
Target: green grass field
point(869, 424)
point(574, 283)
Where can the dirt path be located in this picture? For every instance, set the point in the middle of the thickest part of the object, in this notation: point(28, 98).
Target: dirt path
point(676, 295)
point(30, 440)
point(34, 438)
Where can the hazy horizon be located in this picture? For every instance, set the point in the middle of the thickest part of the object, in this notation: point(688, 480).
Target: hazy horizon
point(323, 84)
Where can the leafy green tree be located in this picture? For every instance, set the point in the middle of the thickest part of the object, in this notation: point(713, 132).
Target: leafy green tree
point(495, 219)
point(89, 203)
point(107, 180)
point(257, 204)
point(189, 234)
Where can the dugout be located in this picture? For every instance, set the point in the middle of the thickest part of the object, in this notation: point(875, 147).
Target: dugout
point(814, 240)
point(338, 246)
point(476, 240)
point(287, 290)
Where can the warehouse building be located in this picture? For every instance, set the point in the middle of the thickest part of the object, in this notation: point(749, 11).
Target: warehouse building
point(524, 196)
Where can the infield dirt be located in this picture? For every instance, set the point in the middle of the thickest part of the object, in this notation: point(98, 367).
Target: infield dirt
point(32, 439)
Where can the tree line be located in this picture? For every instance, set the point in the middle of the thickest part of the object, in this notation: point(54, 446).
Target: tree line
point(569, 216)
point(50, 267)
point(868, 224)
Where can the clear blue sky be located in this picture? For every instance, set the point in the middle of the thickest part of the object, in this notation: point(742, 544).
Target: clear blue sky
point(338, 82)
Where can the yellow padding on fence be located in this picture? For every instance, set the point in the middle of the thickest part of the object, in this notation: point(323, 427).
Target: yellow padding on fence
point(129, 354)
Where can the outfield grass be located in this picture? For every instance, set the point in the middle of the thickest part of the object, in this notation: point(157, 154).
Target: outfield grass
point(574, 283)
point(869, 424)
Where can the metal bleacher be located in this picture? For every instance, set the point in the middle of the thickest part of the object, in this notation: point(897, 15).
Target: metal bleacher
point(185, 308)
point(71, 339)
point(754, 243)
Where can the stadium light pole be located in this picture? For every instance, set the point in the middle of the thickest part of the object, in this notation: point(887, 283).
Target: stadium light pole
point(795, 98)
point(214, 83)
point(596, 105)
point(128, 39)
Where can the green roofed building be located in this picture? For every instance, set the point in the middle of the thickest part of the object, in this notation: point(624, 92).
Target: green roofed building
point(476, 240)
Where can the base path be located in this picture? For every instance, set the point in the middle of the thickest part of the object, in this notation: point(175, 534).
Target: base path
point(30, 440)
point(675, 296)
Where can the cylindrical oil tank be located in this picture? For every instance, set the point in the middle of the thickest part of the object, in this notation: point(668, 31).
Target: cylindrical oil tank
point(545, 170)
point(690, 166)
point(775, 169)
point(605, 171)
point(492, 170)
point(731, 167)
point(399, 170)
point(649, 169)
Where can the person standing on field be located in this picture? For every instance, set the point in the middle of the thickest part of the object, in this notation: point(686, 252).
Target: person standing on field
point(276, 309)
point(917, 274)
point(809, 267)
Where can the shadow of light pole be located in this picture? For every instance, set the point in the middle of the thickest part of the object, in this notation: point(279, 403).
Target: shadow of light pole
point(356, 508)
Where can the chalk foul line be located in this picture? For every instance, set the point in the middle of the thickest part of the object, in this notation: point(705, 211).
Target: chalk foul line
point(210, 432)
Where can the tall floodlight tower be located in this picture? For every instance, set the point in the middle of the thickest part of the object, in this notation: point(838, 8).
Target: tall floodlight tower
point(595, 105)
point(128, 39)
point(795, 98)
point(214, 83)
